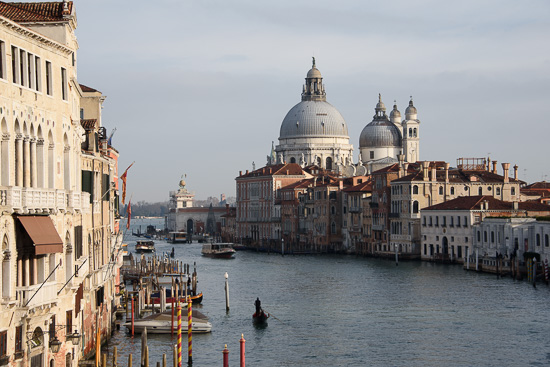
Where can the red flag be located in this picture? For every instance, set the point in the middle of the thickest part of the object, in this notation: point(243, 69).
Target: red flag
point(123, 178)
point(129, 212)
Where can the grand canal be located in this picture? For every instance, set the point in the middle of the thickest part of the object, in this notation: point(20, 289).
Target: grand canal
point(355, 311)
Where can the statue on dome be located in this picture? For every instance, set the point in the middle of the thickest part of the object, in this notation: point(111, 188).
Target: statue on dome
point(313, 57)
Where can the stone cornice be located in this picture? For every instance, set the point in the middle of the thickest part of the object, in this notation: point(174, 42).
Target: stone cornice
point(34, 35)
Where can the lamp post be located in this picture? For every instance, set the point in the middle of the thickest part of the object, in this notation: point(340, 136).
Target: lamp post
point(283, 247)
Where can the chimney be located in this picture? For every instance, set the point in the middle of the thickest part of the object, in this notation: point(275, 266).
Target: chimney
point(486, 204)
point(434, 176)
point(488, 164)
point(341, 183)
point(425, 166)
point(315, 181)
point(406, 168)
point(240, 173)
point(447, 165)
point(516, 172)
point(247, 172)
point(494, 167)
point(506, 168)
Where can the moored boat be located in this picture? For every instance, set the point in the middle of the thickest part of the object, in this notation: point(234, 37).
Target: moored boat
point(145, 246)
point(161, 323)
point(218, 250)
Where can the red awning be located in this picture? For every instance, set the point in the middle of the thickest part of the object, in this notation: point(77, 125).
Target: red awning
point(42, 233)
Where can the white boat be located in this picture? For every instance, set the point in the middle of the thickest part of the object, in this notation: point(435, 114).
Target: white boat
point(218, 250)
point(145, 246)
point(161, 323)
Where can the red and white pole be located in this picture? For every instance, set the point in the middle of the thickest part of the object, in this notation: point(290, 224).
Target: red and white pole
point(189, 331)
point(132, 316)
point(242, 350)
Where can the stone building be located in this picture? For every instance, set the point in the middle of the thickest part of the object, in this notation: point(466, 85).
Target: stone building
point(59, 254)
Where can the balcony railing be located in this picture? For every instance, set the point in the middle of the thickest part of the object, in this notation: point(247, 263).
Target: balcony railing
point(393, 215)
point(355, 209)
point(35, 296)
point(30, 199)
point(373, 204)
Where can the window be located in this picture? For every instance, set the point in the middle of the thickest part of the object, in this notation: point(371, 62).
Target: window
point(498, 190)
point(444, 218)
point(19, 338)
point(37, 74)
point(30, 71)
point(372, 154)
point(513, 190)
point(3, 343)
point(415, 190)
point(2, 60)
point(485, 236)
point(22, 68)
point(452, 221)
point(415, 207)
point(14, 64)
point(546, 244)
point(69, 321)
point(430, 220)
point(465, 221)
point(437, 221)
point(480, 191)
point(466, 239)
point(492, 236)
point(49, 86)
point(64, 84)
point(538, 240)
point(478, 236)
point(458, 220)
point(333, 228)
point(440, 190)
point(424, 221)
point(452, 190)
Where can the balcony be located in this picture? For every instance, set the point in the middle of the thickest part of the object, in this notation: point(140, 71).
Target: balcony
point(31, 296)
point(373, 204)
point(40, 200)
point(378, 227)
point(393, 215)
point(355, 209)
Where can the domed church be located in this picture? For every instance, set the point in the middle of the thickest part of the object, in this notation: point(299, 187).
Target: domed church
point(384, 138)
point(313, 131)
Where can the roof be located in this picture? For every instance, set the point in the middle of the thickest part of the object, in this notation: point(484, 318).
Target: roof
point(88, 89)
point(35, 12)
point(362, 187)
point(313, 119)
point(88, 124)
point(543, 185)
point(474, 203)
point(457, 175)
point(283, 169)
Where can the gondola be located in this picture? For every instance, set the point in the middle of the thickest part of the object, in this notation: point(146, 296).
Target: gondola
point(260, 318)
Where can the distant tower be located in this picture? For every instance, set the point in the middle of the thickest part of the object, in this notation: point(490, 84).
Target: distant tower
point(395, 116)
point(411, 134)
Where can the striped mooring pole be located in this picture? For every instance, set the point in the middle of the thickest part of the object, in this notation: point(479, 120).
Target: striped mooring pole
point(546, 270)
point(179, 334)
point(190, 331)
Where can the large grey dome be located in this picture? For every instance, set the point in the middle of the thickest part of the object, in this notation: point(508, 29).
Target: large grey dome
point(313, 119)
point(380, 133)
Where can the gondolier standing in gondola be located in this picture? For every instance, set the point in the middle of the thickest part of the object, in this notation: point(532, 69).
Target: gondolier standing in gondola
point(258, 305)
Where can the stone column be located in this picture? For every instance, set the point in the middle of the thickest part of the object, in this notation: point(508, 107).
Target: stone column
point(26, 162)
point(19, 160)
point(34, 178)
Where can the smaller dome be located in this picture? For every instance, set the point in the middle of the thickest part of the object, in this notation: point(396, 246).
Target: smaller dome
point(411, 110)
point(314, 73)
point(380, 106)
point(380, 133)
point(395, 112)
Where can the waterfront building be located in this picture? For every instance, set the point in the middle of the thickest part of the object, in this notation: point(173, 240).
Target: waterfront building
point(313, 132)
point(447, 228)
point(356, 206)
point(258, 201)
point(291, 216)
point(501, 243)
point(184, 217)
point(58, 250)
point(536, 191)
point(436, 182)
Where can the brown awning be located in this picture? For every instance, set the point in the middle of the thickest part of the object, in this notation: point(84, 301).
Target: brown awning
point(42, 233)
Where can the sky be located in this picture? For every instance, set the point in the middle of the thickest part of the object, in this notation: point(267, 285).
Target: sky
point(200, 88)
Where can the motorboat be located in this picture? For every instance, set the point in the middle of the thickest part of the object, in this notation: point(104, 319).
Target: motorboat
point(145, 246)
point(178, 237)
point(161, 323)
point(218, 250)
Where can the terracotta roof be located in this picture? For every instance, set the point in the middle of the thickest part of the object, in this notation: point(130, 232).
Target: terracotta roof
point(362, 187)
point(457, 176)
point(88, 124)
point(299, 185)
point(290, 169)
point(543, 185)
point(87, 89)
point(34, 12)
point(474, 203)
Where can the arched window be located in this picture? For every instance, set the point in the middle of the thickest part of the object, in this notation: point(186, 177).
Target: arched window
point(440, 190)
point(452, 190)
point(6, 268)
point(415, 207)
point(546, 244)
point(66, 163)
point(332, 210)
point(415, 190)
point(538, 239)
point(478, 236)
point(333, 228)
point(485, 236)
point(414, 132)
point(4, 151)
point(292, 160)
point(51, 161)
point(329, 163)
point(492, 236)
point(410, 132)
point(480, 191)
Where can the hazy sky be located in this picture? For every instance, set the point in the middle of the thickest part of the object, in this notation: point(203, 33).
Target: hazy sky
point(201, 87)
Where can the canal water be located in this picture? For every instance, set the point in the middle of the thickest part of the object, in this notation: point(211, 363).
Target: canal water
point(355, 311)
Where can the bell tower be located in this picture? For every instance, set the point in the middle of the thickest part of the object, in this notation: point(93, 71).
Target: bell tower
point(411, 134)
